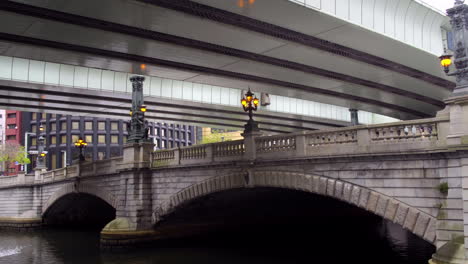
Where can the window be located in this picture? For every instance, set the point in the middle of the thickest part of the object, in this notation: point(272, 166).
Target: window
point(156, 131)
point(102, 139)
point(11, 137)
point(101, 155)
point(53, 159)
point(171, 133)
point(124, 139)
point(34, 116)
point(114, 139)
point(53, 140)
point(52, 116)
point(63, 140)
point(53, 126)
point(11, 126)
point(125, 126)
point(75, 125)
point(33, 128)
point(12, 115)
point(64, 126)
point(89, 138)
point(102, 126)
point(177, 134)
point(34, 142)
point(163, 144)
point(75, 138)
point(172, 144)
point(114, 126)
point(163, 132)
point(89, 125)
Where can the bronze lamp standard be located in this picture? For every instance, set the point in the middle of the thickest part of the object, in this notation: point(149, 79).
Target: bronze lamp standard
point(81, 144)
point(250, 104)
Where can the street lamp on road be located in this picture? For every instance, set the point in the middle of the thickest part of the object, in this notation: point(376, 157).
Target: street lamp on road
point(26, 143)
point(81, 144)
point(250, 103)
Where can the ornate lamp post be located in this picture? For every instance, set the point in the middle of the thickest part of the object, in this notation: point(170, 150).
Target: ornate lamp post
point(41, 153)
point(81, 144)
point(458, 18)
point(138, 127)
point(250, 104)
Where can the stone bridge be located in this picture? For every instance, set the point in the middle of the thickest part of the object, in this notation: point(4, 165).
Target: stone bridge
point(413, 173)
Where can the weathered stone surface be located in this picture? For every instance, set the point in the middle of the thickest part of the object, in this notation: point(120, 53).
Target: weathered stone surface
point(363, 198)
point(372, 202)
point(322, 186)
point(421, 224)
point(355, 194)
point(381, 206)
point(339, 190)
point(411, 218)
point(401, 214)
point(391, 210)
point(347, 189)
point(330, 187)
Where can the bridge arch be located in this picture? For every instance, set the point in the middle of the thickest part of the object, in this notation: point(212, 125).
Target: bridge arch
point(410, 218)
point(74, 187)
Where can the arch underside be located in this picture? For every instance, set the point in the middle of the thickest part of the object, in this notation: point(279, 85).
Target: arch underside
point(410, 218)
point(73, 188)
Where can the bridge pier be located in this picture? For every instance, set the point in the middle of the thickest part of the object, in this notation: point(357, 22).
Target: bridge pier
point(455, 251)
point(133, 223)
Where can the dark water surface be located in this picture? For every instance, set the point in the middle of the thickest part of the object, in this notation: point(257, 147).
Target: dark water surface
point(67, 246)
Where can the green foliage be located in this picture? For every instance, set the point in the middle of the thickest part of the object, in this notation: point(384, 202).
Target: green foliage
point(12, 152)
point(443, 188)
point(215, 137)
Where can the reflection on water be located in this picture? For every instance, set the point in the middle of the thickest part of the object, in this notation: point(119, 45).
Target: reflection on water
point(66, 246)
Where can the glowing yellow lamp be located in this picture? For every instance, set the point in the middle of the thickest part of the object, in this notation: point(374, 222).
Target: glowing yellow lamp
point(43, 154)
point(256, 101)
point(143, 108)
point(446, 62)
point(131, 112)
point(244, 102)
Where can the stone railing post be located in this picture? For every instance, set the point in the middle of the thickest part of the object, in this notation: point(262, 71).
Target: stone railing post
point(21, 178)
point(137, 155)
point(363, 138)
point(301, 144)
point(249, 143)
point(210, 152)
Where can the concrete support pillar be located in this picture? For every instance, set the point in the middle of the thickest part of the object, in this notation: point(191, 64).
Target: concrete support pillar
point(354, 117)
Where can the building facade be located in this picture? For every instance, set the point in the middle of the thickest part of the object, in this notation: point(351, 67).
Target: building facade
point(13, 134)
point(2, 135)
point(105, 137)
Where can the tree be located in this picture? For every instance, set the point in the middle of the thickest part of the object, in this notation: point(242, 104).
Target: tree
point(13, 152)
point(216, 136)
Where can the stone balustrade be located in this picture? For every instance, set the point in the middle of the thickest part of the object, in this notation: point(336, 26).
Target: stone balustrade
point(406, 136)
point(401, 137)
point(229, 149)
point(275, 143)
point(101, 167)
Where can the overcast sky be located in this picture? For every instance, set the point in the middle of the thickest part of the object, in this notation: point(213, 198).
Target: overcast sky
point(440, 4)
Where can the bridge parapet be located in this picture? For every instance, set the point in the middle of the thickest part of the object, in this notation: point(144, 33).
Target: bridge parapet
point(414, 136)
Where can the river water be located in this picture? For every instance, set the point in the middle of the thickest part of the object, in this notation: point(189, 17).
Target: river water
point(53, 246)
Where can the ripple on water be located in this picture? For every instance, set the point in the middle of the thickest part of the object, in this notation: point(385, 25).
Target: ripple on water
point(11, 251)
